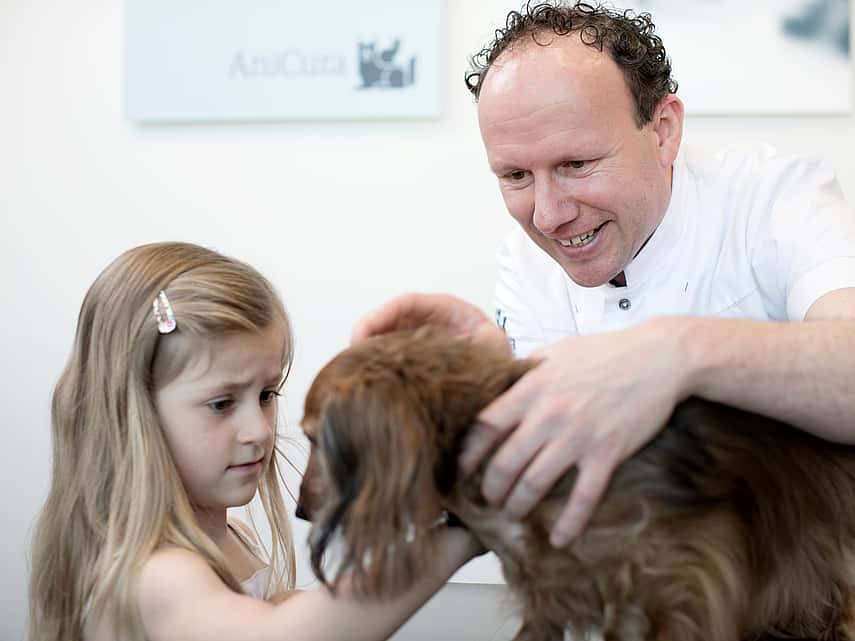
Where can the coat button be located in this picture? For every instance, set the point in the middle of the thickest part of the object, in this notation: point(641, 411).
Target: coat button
point(624, 304)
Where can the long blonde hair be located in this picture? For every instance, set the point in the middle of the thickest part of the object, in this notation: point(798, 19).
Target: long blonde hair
point(115, 494)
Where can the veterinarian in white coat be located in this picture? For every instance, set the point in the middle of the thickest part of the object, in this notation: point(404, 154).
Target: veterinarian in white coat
point(642, 273)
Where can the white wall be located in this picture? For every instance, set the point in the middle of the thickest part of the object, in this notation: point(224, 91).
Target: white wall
point(339, 215)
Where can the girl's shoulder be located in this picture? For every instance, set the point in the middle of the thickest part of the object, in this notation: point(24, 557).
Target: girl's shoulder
point(172, 573)
point(180, 596)
point(166, 578)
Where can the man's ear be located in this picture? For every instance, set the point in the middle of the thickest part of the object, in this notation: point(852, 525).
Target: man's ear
point(667, 124)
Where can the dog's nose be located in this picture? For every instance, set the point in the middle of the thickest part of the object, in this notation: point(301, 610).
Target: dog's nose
point(302, 513)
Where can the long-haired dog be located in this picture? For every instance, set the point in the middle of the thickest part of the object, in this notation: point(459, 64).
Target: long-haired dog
point(726, 526)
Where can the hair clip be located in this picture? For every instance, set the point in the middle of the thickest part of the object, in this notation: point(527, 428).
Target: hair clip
point(163, 314)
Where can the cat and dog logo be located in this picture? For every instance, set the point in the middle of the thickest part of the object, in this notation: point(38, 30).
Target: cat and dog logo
point(379, 69)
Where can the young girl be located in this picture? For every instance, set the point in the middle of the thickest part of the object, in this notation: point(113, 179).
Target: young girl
point(164, 417)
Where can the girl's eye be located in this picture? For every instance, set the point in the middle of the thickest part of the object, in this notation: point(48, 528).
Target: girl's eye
point(268, 396)
point(221, 405)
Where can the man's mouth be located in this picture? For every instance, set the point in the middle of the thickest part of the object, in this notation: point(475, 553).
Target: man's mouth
point(581, 239)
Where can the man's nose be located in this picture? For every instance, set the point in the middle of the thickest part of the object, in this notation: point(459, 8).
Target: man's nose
point(553, 207)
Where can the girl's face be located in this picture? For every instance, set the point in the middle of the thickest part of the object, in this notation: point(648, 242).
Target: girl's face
point(218, 417)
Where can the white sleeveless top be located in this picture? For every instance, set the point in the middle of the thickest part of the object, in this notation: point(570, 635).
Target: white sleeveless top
point(256, 585)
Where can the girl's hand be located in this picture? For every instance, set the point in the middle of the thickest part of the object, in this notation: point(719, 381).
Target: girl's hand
point(462, 545)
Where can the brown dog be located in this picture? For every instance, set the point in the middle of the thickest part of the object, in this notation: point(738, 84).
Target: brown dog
point(727, 526)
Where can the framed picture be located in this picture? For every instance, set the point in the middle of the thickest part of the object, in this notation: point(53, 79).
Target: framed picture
point(220, 60)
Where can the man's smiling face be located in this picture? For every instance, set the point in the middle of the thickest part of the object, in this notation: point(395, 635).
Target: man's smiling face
point(575, 170)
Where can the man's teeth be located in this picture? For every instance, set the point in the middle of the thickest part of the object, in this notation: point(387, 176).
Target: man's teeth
point(579, 240)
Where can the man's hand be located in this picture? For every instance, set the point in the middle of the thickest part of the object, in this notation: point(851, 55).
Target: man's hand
point(592, 402)
point(410, 311)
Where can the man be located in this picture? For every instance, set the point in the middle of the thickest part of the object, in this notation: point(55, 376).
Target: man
point(644, 273)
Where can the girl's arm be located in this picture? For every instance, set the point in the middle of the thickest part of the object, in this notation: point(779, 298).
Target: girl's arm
point(182, 599)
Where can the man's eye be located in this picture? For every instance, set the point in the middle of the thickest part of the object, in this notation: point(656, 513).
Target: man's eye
point(221, 405)
point(576, 164)
point(268, 396)
point(516, 176)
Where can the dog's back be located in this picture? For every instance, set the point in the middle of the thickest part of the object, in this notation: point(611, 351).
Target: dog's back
point(726, 526)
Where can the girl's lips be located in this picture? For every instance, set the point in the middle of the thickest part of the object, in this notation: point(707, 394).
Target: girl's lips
point(247, 468)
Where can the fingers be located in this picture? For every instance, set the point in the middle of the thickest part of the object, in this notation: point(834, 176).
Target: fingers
point(490, 336)
point(457, 314)
point(414, 310)
point(591, 483)
point(527, 466)
point(493, 424)
point(394, 314)
point(479, 441)
point(505, 469)
point(549, 464)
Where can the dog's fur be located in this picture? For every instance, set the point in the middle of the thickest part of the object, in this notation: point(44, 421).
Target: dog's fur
point(727, 526)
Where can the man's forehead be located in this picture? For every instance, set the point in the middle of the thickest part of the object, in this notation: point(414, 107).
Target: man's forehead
point(542, 47)
point(564, 71)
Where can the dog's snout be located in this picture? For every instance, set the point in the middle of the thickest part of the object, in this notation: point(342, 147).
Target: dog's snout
point(302, 513)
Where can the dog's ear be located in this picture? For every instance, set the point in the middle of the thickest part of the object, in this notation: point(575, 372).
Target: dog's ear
point(311, 495)
point(379, 452)
point(481, 377)
point(331, 482)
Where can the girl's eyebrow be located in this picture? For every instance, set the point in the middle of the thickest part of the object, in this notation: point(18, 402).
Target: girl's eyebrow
point(226, 386)
point(222, 388)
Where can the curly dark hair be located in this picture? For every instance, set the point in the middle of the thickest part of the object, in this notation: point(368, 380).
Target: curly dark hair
point(628, 38)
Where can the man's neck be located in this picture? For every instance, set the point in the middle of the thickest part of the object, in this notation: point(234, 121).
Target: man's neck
point(619, 280)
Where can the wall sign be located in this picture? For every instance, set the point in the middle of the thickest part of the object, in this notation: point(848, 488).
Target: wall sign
point(222, 60)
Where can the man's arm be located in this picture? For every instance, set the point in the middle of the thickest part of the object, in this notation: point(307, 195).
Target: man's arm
point(802, 373)
point(596, 400)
